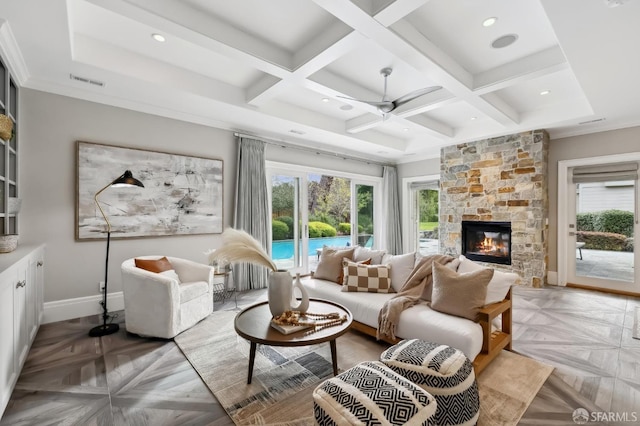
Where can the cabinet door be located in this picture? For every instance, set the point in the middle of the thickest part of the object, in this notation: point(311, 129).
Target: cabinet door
point(7, 337)
point(31, 299)
point(20, 315)
point(39, 285)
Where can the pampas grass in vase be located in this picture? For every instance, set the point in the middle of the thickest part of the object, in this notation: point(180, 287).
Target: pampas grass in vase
point(239, 246)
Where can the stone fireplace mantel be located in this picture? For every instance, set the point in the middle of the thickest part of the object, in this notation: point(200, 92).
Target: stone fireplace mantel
point(500, 179)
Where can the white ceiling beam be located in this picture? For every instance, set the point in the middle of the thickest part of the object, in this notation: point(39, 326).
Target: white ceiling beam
point(539, 64)
point(434, 127)
point(444, 69)
point(397, 10)
point(205, 31)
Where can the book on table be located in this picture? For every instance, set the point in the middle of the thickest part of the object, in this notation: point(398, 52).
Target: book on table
point(290, 328)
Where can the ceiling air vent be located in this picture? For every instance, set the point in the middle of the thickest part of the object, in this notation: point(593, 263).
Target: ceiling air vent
point(86, 80)
point(593, 121)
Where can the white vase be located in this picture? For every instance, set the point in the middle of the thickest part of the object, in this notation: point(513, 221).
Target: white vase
point(303, 306)
point(279, 292)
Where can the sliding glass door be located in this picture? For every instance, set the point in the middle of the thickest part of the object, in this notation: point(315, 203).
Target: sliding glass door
point(422, 217)
point(313, 210)
point(288, 222)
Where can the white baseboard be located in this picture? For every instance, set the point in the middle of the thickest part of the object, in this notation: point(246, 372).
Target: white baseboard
point(552, 277)
point(61, 310)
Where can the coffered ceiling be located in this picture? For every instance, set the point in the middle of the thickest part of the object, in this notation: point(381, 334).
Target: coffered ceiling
point(281, 68)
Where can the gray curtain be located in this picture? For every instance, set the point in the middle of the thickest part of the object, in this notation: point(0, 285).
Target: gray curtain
point(391, 199)
point(252, 209)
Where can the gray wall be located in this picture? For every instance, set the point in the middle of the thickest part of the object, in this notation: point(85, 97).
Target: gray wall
point(50, 125)
point(584, 146)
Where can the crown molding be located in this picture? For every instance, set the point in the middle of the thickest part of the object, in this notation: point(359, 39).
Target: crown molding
point(12, 55)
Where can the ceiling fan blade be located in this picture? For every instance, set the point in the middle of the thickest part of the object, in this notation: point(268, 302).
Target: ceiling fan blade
point(415, 94)
point(377, 104)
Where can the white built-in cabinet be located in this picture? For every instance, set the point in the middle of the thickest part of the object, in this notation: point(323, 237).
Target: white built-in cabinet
point(21, 302)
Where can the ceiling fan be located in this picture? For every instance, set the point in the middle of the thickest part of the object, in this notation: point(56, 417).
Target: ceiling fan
point(385, 106)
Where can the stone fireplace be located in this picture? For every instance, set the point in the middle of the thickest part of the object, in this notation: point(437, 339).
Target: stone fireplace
point(501, 179)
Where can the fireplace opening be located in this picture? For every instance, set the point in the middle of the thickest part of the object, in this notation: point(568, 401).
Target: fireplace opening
point(487, 241)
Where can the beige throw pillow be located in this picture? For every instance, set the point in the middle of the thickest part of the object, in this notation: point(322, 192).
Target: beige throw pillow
point(456, 294)
point(367, 278)
point(498, 286)
point(330, 265)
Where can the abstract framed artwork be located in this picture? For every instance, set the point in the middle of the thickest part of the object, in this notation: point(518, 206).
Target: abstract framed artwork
point(182, 195)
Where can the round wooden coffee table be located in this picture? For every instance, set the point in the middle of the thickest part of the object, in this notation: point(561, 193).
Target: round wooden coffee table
point(253, 323)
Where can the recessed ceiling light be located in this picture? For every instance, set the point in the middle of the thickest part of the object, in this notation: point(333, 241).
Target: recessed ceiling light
point(325, 99)
point(158, 37)
point(297, 132)
point(545, 92)
point(381, 152)
point(346, 107)
point(474, 118)
point(489, 21)
point(406, 129)
point(504, 41)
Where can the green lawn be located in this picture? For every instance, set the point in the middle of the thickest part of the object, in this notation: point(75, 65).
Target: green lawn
point(428, 226)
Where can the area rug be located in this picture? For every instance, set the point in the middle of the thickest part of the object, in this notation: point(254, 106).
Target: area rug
point(284, 378)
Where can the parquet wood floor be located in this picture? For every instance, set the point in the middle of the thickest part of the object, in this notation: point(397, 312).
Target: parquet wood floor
point(122, 379)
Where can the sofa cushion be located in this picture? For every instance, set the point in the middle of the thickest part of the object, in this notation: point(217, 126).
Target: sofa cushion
point(363, 253)
point(401, 267)
point(419, 321)
point(498, 286)
point(462, 295)
point(171, 274)
point(154, 265)
point(193, 290)
point(330, 265)
point(359, 277)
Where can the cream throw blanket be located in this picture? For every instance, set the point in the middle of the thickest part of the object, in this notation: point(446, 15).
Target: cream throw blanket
point(409, 294)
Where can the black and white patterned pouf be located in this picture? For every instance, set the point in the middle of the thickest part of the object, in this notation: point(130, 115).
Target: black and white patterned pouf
point(371, 393)
point(444, 372)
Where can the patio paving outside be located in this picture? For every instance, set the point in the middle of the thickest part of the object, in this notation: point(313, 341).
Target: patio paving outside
point(613, 265)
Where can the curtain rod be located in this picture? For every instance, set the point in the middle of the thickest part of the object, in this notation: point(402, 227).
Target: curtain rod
point(288, 145)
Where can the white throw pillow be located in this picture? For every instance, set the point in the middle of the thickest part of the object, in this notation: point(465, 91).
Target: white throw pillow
point(499, 284)
point(171, 273)
point(401, 268)
point(364, 253)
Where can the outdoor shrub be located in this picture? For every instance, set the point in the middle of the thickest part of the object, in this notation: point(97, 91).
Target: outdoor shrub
point(320, 229)
point(615, 221)
point(324, 218)
point(344, 228)
point(314, 231)
point(628, 244)
point(602, 240)
point(289, 221)
point(279, 230)
point(360, 229)
point(586, 221)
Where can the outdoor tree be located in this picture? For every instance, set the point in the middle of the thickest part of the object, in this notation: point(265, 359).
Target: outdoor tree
point(282, 198)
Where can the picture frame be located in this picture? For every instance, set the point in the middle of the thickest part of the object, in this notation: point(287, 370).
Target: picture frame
point(182, 195)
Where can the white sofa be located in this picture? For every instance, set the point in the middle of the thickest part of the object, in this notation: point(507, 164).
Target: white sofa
point(165, 304)
point(476, 340)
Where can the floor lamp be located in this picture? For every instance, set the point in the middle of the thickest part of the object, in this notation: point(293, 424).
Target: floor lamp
point(126, 179)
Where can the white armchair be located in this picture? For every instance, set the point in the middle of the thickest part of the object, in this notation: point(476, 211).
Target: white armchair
point(159, 305)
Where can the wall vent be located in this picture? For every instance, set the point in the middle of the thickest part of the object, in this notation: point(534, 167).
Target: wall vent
point(593, 121)
point(86, 80)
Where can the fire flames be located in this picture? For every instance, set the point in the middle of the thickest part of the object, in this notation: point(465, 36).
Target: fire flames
point(491, 246)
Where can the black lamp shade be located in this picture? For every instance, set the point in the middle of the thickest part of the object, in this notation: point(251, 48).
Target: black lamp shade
point(127, 179)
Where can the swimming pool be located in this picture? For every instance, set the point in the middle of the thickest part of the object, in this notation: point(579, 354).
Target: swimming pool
point(283, 249)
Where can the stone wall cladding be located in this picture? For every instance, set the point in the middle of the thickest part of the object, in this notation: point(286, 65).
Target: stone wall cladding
point(499, 179)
